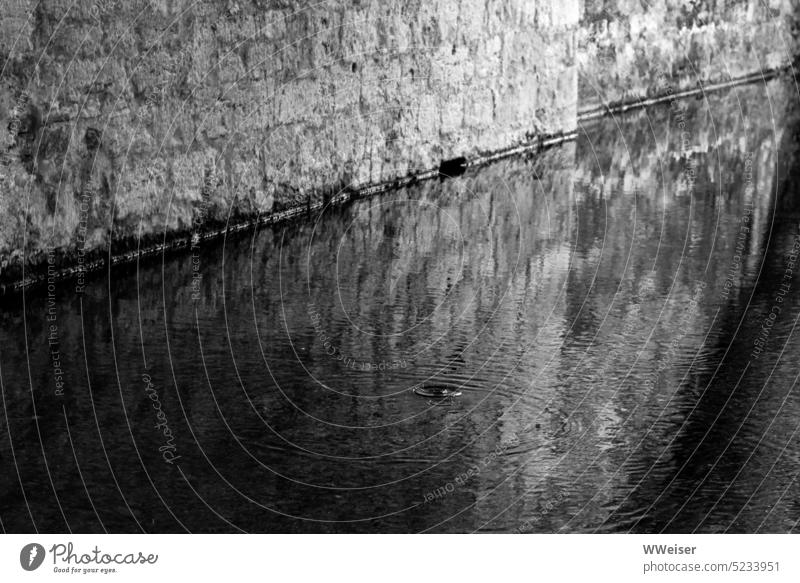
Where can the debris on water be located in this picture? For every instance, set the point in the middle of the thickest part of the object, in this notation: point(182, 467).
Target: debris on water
point(436, 391)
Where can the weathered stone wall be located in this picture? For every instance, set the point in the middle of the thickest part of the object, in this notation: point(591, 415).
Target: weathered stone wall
point(127, 119)
point(632, 49)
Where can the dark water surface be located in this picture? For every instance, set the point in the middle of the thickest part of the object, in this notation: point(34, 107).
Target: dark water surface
point(618, 313)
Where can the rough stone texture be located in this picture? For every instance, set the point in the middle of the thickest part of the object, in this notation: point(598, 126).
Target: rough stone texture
point(629, 49)
point(130, 119)
point(126, 120)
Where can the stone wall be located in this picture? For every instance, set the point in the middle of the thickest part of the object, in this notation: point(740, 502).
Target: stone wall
point(140, 118)
point(632, 49)
point(125, 122)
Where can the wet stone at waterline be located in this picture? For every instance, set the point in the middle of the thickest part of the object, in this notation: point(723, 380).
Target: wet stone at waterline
point(598, 338)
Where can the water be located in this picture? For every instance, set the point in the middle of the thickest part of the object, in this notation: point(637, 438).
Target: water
point(605, 310)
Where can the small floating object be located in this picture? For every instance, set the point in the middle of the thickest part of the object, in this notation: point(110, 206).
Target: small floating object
point(436, 391)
